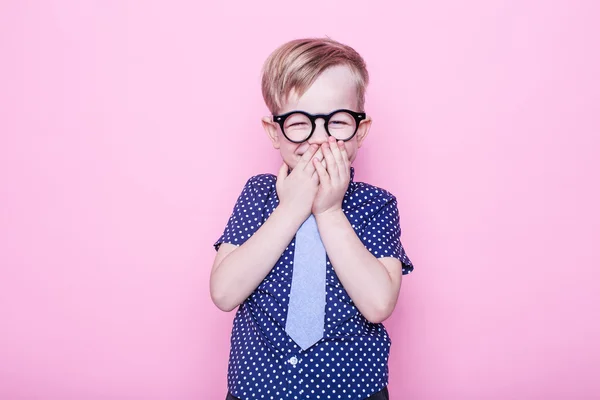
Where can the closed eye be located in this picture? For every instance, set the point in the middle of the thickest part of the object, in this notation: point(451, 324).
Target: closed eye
point(297, 124)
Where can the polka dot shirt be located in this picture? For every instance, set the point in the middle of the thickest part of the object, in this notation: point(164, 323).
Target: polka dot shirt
point(350, 362)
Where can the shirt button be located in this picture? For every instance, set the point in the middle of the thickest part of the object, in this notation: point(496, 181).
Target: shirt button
point(293, 361)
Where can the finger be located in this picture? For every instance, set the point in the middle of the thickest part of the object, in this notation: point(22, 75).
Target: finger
point(337, 155)
point(323, 176)
point(319, 154)
point(344, 164)
point(310, 168)
point(331, 165)
point(321, 158)
point(344, 153)
point(315, 176)
point(307, 156)
point(281, 175)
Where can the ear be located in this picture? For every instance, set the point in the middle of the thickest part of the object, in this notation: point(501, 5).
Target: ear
point(363, 130)
point(272, 131)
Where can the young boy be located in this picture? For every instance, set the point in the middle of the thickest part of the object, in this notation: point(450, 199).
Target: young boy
point(312, 258)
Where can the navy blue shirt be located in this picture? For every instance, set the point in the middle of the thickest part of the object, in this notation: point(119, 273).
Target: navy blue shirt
point(350, 362)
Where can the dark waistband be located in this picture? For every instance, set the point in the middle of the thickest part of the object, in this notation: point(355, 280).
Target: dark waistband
point(381, 395)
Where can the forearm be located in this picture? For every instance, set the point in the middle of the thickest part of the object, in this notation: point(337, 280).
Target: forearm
point(364, 277)
point(242, 270)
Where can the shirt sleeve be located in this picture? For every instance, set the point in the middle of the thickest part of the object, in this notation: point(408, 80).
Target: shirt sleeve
point(381, 235)
point(247, 215)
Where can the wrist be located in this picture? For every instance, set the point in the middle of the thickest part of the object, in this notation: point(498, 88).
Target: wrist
point(294, 214)
point(331, 214)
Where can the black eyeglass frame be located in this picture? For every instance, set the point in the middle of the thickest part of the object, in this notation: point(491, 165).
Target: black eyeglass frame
point(358, 117)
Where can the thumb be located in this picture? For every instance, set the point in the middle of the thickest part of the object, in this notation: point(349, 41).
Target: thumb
point(283, 172)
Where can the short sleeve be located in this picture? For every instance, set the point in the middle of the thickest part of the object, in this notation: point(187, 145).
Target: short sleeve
point(247, 215)
point(381, 235)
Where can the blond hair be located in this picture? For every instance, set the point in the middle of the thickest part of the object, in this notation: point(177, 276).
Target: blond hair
point(295, 65)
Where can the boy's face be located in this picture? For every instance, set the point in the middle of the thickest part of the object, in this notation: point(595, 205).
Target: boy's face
point(334, 89)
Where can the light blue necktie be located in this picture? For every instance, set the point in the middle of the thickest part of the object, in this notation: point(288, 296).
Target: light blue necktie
point(306, 311)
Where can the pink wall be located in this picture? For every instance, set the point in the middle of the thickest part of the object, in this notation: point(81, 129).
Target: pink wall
point(127, 130)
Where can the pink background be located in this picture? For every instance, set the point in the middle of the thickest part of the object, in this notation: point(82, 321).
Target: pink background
point(127, 130)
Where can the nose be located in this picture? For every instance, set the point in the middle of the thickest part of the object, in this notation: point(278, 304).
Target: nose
point(320, 135)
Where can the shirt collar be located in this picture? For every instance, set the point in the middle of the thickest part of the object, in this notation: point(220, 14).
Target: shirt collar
point(351, 183)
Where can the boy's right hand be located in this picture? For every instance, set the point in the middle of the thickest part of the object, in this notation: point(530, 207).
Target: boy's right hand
point(298, 190)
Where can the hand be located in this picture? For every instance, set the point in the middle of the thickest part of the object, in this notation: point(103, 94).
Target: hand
point(297, 190)
point(333, 181)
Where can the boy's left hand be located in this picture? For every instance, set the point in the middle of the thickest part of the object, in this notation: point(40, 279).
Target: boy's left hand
point(333, 181)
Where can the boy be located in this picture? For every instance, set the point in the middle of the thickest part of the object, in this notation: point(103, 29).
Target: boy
point(312, 258)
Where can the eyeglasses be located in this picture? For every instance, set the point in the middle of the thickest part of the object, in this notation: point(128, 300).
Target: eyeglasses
point(298, 126)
